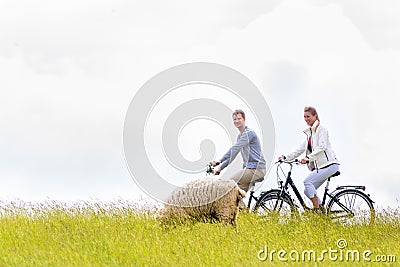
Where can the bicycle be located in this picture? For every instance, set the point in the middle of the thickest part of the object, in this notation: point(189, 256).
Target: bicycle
point(210, 170)
point(347, 204)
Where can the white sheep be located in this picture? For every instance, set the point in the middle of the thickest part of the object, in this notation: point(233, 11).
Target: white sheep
point(207, 200)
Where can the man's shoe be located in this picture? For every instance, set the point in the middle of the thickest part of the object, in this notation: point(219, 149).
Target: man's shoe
point(321, 210)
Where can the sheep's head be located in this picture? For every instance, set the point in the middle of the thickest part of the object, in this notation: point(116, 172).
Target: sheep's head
point(242, 193)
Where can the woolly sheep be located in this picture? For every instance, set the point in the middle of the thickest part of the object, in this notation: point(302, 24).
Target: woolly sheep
point(207, 200)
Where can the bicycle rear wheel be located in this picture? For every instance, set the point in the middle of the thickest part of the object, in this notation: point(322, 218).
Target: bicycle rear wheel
point(271, 204)
point(351, 206)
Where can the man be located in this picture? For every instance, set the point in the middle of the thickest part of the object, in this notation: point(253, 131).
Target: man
point(248, 144)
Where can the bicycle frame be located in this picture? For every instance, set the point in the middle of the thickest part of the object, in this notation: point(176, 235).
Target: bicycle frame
point(331, 195)
point(284, 189)
point(251, 197)
point(289, 182)
point(346, 204)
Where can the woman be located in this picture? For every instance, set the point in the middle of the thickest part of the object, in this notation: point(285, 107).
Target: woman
point(320, 158)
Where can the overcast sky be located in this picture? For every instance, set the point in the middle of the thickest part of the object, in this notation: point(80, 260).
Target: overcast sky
point(69, 69)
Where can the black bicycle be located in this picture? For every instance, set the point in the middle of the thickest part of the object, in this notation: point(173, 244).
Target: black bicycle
point(347, 204)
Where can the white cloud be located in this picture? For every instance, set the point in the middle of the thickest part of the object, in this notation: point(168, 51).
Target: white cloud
point(377, 21)
point(70, 68)
point(303, 54)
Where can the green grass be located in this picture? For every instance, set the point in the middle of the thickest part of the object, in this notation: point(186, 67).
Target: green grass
point(123, 234)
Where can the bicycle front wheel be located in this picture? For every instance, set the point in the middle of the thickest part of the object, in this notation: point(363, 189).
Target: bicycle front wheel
point(272, 204)
point(351, 206)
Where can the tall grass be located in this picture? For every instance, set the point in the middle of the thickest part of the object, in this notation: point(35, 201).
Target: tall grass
point(126, 234)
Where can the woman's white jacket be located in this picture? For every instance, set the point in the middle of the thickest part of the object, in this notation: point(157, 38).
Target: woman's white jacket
point(322, 154)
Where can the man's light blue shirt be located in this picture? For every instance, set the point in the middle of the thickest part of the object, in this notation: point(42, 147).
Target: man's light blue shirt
point(250, 147)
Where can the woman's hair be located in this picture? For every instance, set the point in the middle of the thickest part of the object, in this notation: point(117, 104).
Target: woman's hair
point(237, 112)
point(313, 112)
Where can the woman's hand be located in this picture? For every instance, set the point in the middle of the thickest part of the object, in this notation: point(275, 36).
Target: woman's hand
point(304, 161)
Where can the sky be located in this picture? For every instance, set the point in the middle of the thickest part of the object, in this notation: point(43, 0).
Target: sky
point(70, 69)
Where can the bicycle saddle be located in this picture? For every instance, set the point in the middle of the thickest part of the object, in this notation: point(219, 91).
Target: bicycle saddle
point(253, 183)
point(335, 174)
point(257, 181)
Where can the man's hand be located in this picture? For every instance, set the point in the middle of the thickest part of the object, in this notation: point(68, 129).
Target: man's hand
point(217, 171)
point(216, 163)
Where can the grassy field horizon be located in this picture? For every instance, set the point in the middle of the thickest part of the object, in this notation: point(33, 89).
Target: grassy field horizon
point(123, 233)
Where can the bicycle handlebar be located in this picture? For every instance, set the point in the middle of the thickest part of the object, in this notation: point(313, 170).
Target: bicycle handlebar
point(295, 161)
point(210, 169)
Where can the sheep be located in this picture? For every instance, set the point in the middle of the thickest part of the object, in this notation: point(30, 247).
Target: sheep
point(206, 200)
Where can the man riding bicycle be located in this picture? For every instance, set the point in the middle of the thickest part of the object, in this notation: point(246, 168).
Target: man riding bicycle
point(248, 144)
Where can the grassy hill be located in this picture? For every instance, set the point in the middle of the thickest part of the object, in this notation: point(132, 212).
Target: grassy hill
point(124, 234)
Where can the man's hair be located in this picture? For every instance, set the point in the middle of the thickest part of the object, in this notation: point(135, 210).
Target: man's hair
point(239, 111)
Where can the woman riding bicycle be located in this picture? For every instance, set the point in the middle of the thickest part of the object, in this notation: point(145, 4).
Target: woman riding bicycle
point(320, 158)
